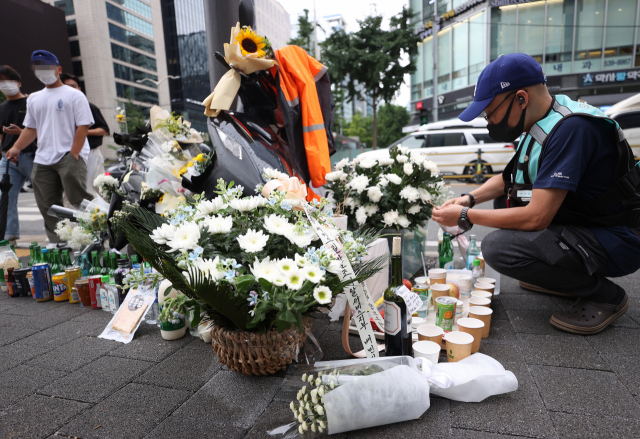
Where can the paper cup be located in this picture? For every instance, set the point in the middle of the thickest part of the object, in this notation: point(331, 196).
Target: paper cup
point(480, 301)
point(485, 287)
point(430, 333)
point(427, 349)
point(459, 345)
point(474, 327)
point(439, 290)
point(482, 313)
point(416, 322)
point(487, 280)
point(479, 293)
point(437, 276)
point(422, 280)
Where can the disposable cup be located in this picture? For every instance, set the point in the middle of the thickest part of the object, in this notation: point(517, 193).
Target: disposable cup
point(437, 276)
point(474, 327)
point(430, 333)
point(465, 285)
point(480, 301)
point(439, 290)
point(480, 293)
point(422, 280)
point(416, 322)
point(482, 313)
point(484, 287)
point(427, 349)
point(459, 345)
point(487, 280)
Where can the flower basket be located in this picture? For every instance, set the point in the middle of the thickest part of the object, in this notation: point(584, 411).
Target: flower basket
point(253, 353)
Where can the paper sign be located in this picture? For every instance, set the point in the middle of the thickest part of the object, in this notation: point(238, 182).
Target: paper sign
point(411, 299)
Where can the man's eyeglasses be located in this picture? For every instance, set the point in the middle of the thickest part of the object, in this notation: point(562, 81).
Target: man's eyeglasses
point(487, 116)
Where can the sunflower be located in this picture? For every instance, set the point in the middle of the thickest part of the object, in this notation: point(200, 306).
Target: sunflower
point(250, 42)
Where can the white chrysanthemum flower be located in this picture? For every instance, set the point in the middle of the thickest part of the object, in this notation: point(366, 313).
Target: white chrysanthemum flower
point(415, 208)
point(265, 269)
point(403, 221)
point(370, 209)
point(253, 241)
point(278, 279)
point(301, 261)
point(359, 183)
point(401, 158)
point(341, 164)
point(393, 178)
point(344, 177)
point(410, 193)
point(247, 204)
point(286, 265)
point(322, 294)
point(274, 174)
point(168, 146)
point(350, 202)
point(383, 182)
point(294, 279)
point(361, 215)
point(374, 193)
point(312, 273)
point(277, 224)
point(385, 161)
point(79, 237)
point(417, 157)
point(105, 180)
point(408, 168)
point(424, 195)
point(163, 234)
point(390, 218)
point(186, 237)
point(209, 267)
point(367, 163)
point(209, 207)
point(432, 167)
point(218, 224)
point(403, 149)
point(302, 240)
point(334, 176)
point(334, 267)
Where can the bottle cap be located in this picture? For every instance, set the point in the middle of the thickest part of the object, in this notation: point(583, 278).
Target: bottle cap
point(476, 262)
point(44, 250)
point(105, 278)
point(397, 246)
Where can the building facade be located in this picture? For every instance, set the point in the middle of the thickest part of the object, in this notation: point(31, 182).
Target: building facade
point(589, 49)
point(117, 49)
point(272, 20)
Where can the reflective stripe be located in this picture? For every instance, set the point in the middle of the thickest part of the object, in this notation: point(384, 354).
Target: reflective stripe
point(294, 102)
point(621, 137)
point(538, 133)
point(319, 126)
point(561, 108)
point(320, 73)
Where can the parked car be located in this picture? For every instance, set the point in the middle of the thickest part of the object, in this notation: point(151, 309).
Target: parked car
point(627, 114)
point(453, 146)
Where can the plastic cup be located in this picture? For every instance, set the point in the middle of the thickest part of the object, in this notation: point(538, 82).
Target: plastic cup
point(485, 287)
point(423, 311)
point(480, 301)
point(439, 290)
point(416, 322)
point(465, 285)
point(427, 349)
point(459, 345)
point(487, 280)
point(480, 293)
point(474, 327)
point(430, 333)
point(482, 313)
point(437, 276)
point(422, 280)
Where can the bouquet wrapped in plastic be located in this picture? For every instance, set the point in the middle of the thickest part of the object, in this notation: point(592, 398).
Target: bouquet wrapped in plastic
point(338, 395)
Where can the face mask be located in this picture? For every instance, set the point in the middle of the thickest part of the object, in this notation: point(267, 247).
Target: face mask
point(9, 88)
point(500, 132)
point(47, 77)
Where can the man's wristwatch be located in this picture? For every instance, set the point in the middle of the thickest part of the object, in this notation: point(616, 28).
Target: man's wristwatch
point(471, 197)
point(463, 221)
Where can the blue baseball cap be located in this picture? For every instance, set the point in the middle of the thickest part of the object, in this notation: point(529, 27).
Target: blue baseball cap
point(42, 57)
point(509, 72)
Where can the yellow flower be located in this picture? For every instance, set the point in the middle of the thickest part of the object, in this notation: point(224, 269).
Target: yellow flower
point(120, 117)
point(94, 217)
point(200, 158)
point(250, 42)
point(97, 210)
point(161, 198)
point(190, 164)
point(181, 171)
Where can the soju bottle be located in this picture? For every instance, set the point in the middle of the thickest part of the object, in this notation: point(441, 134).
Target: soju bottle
point(397, 321)
point(446, 252)
point(85, 265)
point(472, 252)
point(45, 257)
point(37, 255)
point(31, 260)
point(105, 264)
point(66, 259)
point(95, 264)
point(56, 262)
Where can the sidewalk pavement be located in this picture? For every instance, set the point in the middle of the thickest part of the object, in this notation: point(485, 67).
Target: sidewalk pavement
point(60, 380)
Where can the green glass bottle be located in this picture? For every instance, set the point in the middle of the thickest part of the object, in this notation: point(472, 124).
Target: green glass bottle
point(105, 263)
point(56, 265)
point(397, 320)
point(44, 257)
point(85, 265)
point(95, 263)
point(14, 251)
point(66, 259)
point(446, 252)
point(30, 261)
point(113, 262)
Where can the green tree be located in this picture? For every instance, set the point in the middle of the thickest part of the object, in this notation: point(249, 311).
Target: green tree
point(372, 58)
point(305, 29)
point(391, 119)
point(361, 127)
point(135, 116)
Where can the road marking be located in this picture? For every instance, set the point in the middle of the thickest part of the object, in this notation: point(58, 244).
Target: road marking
point(29, 217)
point(28, 209)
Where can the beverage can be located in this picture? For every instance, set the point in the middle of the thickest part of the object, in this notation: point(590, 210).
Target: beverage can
point(42, 282)
point(421, 289)
point(60, 287)
point(73, 274)
point(445, 312)
point(94, 286)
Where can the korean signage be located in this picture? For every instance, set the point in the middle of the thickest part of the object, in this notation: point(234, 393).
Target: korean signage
point(427, 31)
point(591, 79)
point(498, 3)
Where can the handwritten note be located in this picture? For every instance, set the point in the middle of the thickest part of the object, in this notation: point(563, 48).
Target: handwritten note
point(411, 299)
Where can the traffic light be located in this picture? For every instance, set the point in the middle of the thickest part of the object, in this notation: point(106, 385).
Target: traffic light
point(424, 117)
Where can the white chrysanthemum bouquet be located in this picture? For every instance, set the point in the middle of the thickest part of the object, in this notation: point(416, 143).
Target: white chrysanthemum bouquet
point(107, 186)
point(392, 192)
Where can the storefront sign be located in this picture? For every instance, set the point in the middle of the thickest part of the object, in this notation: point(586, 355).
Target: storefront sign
point(460, 9)
point(498, 3)
point(591, 79)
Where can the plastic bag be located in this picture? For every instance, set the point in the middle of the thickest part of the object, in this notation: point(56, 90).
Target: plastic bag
point(463, 241)
point(134, 299)
point(95, 167)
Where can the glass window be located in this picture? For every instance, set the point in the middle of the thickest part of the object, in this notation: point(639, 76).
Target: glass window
point(444, 6)
point(138, 59)
point(416, 87)
point(415, 9)
point(66, 6)
point(444, 60)
point(559, 37)
point(427, 10)
point(136, 6)
point(116, 14)
point(447, 139)
point(77, 68)
point(457, 3)
point(412, 142)
point(427, 56)
point(133, 75)
point(75, 48)
point(629, 120)
point(530, 36)
point(72, 28)
point(460, 52)
point(130, 38)
point(477, 26)
point(588, 49)
point(483, 138)
point(618, 50)
point(416, 77)
point(136, 94)
point(503, 31)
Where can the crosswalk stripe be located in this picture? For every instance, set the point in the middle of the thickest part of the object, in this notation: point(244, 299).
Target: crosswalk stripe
point(27, 209)
point(30, 217)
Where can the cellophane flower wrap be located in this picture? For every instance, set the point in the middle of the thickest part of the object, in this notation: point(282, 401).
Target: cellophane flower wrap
point(394, 192)
point(253, 263)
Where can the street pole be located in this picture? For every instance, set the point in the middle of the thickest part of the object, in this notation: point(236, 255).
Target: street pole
point(220, 16)
point(434, 26)
point(316, 49)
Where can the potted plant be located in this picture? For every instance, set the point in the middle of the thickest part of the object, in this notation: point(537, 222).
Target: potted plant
point(173, 317)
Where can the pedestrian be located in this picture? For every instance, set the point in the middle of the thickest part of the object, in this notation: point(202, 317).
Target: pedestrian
point(60, 117)
point(573, 216)
point(12, 113)
point(95, 165)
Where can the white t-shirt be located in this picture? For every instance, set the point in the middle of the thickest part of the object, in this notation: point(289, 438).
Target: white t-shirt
point(56, 113)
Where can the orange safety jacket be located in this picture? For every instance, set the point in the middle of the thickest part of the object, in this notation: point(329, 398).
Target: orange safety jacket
point(304, 97)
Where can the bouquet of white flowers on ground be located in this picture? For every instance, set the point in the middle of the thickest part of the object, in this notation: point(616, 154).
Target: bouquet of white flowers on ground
point(392, 192)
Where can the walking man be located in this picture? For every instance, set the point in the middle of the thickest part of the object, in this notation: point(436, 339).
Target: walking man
point(12, 113)
point(59, 116)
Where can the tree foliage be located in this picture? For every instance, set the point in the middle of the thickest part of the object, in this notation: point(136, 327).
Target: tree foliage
point(372, 58)
point(362, 127)
point(305, 29)
point(391, 119)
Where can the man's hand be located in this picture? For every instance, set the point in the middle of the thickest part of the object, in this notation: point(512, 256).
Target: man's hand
point(12, 129)
point(76, 155)
point(12, 154)
point(463, 201)
point(448, 214)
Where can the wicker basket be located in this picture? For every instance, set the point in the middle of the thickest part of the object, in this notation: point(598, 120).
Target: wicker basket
point(253, 353)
